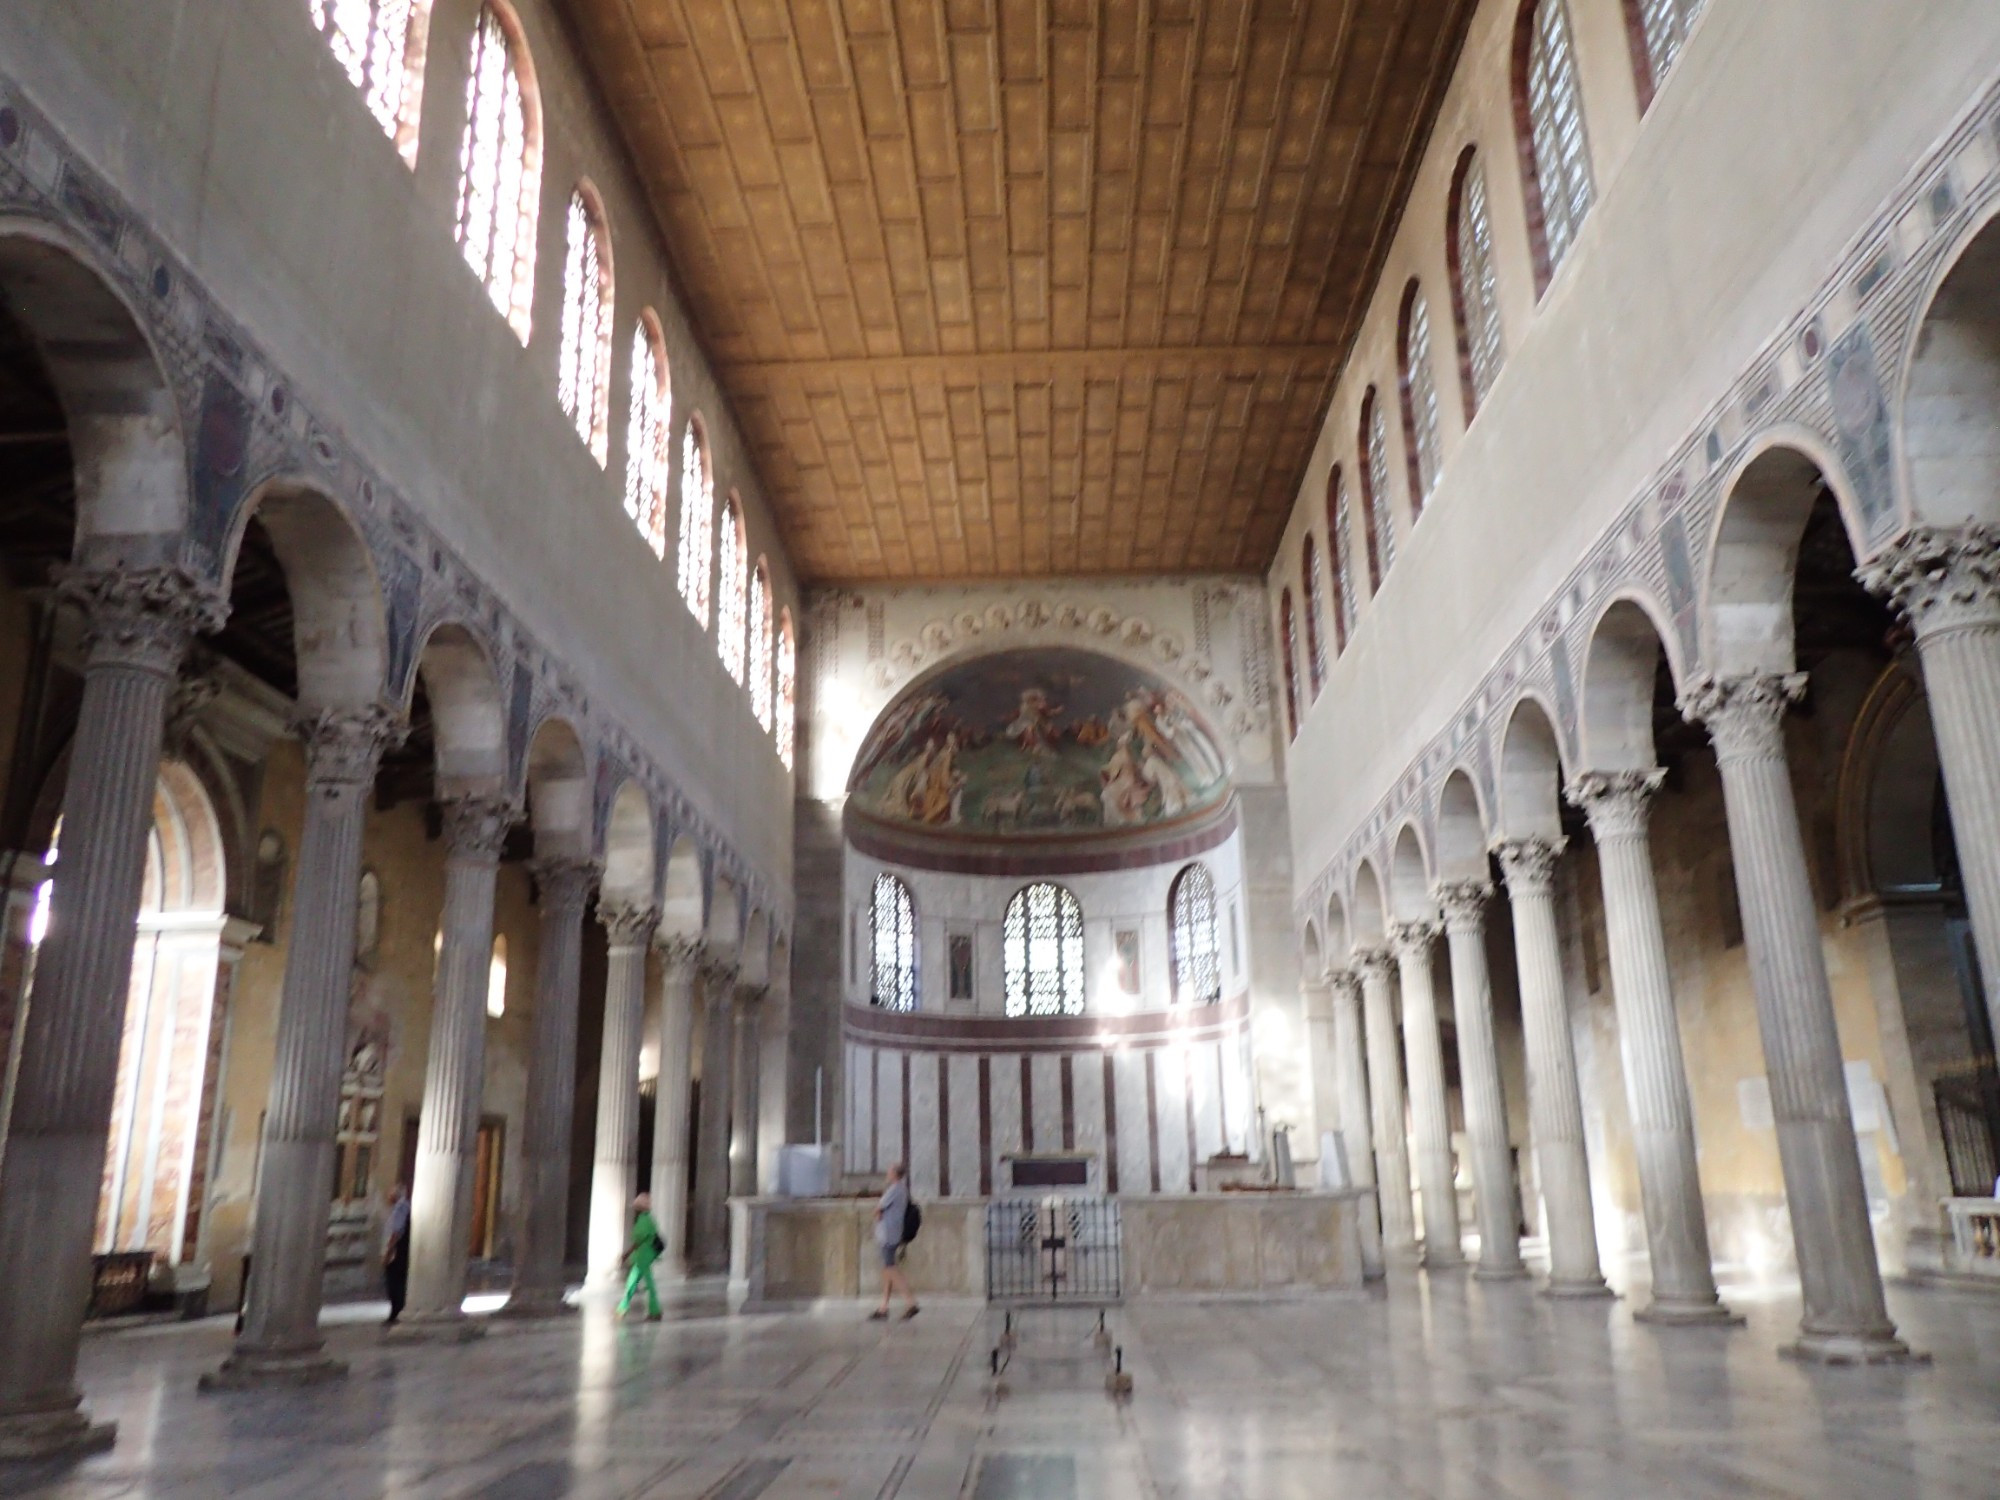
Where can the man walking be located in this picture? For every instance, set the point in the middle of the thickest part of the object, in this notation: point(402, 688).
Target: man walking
point(640, 1254)
point(890, 1214)
point(396, 1253)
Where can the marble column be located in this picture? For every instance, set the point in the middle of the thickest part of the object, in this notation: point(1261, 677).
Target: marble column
point(1555, 1102)
point(1316, 999)
point(137, 626)
point(1430, 1114)
point(1946, 582)
point(475, 829)
point(1464, 905)
point(20, 888)
point(1350, 1069)
point(280, 1342)
point(564, 884)
point(614, 1175)
point(710, 1251)
point(1845, 1316)
point(1619, 804)
point(1385, 1102)
point(679, 964)
point(743, 1091)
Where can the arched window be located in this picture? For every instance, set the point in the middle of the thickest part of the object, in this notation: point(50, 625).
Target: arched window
point(379, 44)
point(1041, 950)
point(648, 450)
point(892, 926)
point(1375, 513)
point(1337, 541)
point(583, 373)
point(496, 978)
point(731, 587)
point(1475, 294)
point(787, 675)
point(1191, 927)
point(760, 642)
point(1314, 597)
point(697, 519)
point(500, 166)
point(1288, 635)
point(1418, 386)
point(1658, 29)
point(1548, 119)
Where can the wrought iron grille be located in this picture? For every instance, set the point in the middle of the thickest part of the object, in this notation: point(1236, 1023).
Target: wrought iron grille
point(893, 928)
point(1054, 1249)
point(1968, 1111)
point(1042, 952)
point(1197, 955)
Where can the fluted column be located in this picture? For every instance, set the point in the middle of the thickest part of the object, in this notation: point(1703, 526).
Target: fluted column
point(1845, 1316)
point(1430, 1115)
point(1464, 906)
point(565, 884)
point(1350, 1070)
point(1385, 1102)
point(743, 1091)
point(1316, 999)
point(475, 829)
point(1618, 804)
point(711, 1173)
point(614, 1176)
point(1946, 582)
point(280, 1341)
point(137, 625)
point(1555, 1103)
point(680, 964)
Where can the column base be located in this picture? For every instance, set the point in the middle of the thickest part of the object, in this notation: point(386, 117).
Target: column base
point(1852, 1349)
point(434, 1328)
point(1454, 1262)
point(1516, 1272)
point(1688, 1314)
point(61, 1432)
point(536, 1305)
point(1578, 1291)
point(256, 1369)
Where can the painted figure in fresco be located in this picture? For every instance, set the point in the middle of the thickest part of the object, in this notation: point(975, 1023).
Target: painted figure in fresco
point(937, 801)
point(903, 796)
point(899, 727)
point(1034, 726)
point(1125, 787)
point(1166, 781)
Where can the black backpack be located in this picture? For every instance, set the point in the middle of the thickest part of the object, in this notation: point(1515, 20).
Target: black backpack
point(913, 1220)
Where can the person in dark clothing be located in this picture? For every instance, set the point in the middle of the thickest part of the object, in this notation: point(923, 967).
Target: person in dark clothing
point(396, 1252)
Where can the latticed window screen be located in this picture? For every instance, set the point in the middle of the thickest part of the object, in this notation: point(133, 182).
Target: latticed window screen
point(1479, 292)
point(760, 643)
point(583, 370)
point(787, 687)
point(697, 517)
point(379, 44)
point(1667, 25)
point(893, 928)
point(648, 454)
point(1555, 118)
point(1315, 596)
point(1421, 380)
point(1339, 538)
point(1197, 954)
point(1375, 474)
point(1041, 950)
point(1288, 632)
point(731, 586)
point(499, 176)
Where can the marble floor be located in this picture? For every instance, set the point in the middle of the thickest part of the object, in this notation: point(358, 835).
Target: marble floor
point(1431, 1387)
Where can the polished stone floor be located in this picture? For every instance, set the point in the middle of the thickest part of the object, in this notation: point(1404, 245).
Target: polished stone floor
point(1434, 1387)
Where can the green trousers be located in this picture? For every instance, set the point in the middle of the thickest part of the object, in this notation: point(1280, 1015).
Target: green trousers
point(641, 1274)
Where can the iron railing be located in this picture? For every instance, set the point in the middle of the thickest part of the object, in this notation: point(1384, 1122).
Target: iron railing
point(1968, 1110)
point(1054, 1249)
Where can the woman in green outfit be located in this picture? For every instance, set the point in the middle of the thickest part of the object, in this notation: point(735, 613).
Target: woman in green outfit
point(640, 1254)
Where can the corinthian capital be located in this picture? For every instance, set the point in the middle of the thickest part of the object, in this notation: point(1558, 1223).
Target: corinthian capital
point(1744, 716)
point(475, 827)
point(1616, 802)
point(1529, 864)
point(1941, 578)
point(345, 745)
point(1463, 903)
point(628, 924)
point(1374, 963)
point(681, 957)
point(565, 880)
point(141, 618)
point(1414, 939)
point(1343, 982)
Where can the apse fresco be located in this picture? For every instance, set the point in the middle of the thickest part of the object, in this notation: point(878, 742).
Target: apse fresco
point(1040, 742)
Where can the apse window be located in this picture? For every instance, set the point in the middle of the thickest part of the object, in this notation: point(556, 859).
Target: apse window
point(1041, 950)
point(379, 45)
point(500, 168)
point(1197, 953)
point(893, 936)
point(583, 370)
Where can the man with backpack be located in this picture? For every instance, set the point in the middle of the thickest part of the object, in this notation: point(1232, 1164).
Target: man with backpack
point(896, 1221)
point(644, 1249)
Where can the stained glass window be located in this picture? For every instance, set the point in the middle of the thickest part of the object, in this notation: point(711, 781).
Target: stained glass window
point(732, 584)
point(760, 642)
point(1197, 954)
point(500, 171)
point(697, 521)
point(1288, 631)
point(583, 370)
point(1667, 23)
point(787, 687)
point(1478, 291)
point(1555, 122)
point(379, 44)
point(1339, 537)
point(1420, 401)
point(1041, 950)
point(648, 454)
point(1375, 491)
point(893, 933)
point(1314, 597)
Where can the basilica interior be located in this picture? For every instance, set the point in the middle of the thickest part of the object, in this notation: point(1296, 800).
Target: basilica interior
point(1330, 668)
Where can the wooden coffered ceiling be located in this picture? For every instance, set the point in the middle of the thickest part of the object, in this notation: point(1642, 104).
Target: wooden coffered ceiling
point(1004, 287)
